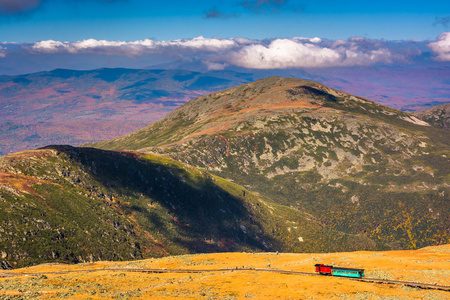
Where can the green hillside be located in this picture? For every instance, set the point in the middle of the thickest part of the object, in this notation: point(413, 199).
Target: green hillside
point(356, 166)
point(68, 204)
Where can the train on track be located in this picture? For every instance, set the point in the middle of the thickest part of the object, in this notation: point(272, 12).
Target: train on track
point(338, 271)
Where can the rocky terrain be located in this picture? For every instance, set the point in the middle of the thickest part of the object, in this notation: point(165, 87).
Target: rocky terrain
point(72, 205)
point(438, 116)
point(308, 169)
point(356, 166)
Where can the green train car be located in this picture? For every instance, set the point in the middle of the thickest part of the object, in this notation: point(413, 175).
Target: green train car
point(338, 271)
point(347, 272)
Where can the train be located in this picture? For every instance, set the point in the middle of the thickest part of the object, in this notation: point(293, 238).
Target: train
point(338, 271)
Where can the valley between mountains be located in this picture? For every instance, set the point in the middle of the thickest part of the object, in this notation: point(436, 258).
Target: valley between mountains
point(279, 164)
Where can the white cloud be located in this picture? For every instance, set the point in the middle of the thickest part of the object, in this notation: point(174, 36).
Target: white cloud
point(442, 47)
point(215, 66)
point(132, 48)
point(245, 41)
point(49, 46)
point(301, 53)
point(218, 53)
point(202, 43)
point(94, 46)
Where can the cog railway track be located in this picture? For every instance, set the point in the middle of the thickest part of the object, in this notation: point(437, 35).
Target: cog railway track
point(413, 284)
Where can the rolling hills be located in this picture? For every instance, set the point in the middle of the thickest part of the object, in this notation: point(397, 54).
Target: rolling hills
point(356, 166)
point(74, 107)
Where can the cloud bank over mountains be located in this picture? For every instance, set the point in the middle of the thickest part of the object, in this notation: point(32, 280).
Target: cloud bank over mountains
point(132, 48)
point(312, 53)
point(218, 53)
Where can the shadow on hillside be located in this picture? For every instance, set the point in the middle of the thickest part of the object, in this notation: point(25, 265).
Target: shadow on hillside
point(182, 207)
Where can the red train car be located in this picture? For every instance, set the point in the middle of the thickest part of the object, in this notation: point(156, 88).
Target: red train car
point(323, 269)
point(338, 271)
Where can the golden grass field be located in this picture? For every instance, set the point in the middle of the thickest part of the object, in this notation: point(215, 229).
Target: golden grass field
point(60, 281)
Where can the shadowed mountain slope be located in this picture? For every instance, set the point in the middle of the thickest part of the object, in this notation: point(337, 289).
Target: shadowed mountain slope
point(68, 204)
point(356, 166)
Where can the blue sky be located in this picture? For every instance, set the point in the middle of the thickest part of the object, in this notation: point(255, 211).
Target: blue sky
point(72, 20)
point(44, 34)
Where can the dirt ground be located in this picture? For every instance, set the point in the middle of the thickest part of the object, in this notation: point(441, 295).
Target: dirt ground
point(91, 281)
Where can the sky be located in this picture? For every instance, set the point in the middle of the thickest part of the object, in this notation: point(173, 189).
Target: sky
point(40, 35)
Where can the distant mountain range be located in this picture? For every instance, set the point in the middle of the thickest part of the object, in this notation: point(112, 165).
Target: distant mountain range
point(67, 106)
point(75, 107)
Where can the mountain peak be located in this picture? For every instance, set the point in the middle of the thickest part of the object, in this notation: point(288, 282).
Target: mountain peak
point(323, 151)
point(265, 96)
point(438, 115)
point(232, 108)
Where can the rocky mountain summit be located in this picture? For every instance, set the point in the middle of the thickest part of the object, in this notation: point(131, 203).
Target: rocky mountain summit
point(356, 166)
point(438, 116)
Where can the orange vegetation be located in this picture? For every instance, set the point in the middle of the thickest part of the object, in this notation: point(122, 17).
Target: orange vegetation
point(92, 281)
point(23, 183)
point(20, 183)
point(233, 110)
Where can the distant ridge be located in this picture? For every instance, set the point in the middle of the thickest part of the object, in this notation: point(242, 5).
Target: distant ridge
point(56, 105)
